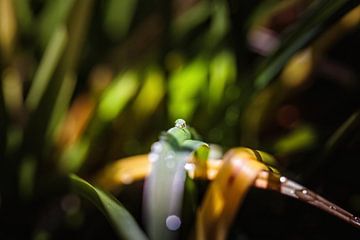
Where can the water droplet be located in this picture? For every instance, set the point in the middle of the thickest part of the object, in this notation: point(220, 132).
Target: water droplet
point(282, 179)
point(189, 167)
point(173, 222)
point(332, 207)
point(180, 123)
point(304, 195)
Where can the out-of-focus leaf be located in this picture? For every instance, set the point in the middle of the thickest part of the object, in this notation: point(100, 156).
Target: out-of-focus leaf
point(118, 17)
point(150, 94)
point(298, 69)
point(311, 24)
point(336, 140)
point(222, 72)
point(117, 95)
point(13, 90)
point(299, 139)
point(24, 15)
point(47, 66)
point(184, 86)
point(61, 104)
point(27, 177)
point(112, 102)
point(3, 128)
point(219, 24)
point(8, 29)
point(60, 88)
point(74, 156)
point(255, 115)
point(75, 122)
point(123, 171)
point(168, 158)
point(190, 19)
point(265, 9)
point(123, 223)
point(341, 132)
point(54, 14)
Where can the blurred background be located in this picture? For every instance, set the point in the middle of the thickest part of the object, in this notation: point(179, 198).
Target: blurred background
point(85, 82)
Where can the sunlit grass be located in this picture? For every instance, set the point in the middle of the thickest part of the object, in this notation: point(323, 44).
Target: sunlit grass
point(86, 82)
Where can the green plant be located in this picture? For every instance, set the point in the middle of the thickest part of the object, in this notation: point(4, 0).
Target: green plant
point(173, 173)
point(86, 82)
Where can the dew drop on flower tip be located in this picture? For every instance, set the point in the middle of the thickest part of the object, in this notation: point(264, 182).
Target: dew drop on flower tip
point(180, 123)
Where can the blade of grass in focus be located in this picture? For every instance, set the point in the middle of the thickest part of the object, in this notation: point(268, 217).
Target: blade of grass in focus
point(123, 223)
point(168, 158)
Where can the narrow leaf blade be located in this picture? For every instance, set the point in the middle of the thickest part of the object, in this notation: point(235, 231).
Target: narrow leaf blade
point(121, 220)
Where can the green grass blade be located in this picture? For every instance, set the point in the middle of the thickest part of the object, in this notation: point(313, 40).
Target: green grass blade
point(112, 102)
point(61, 104)
point(123, 223)
point(151, 94)
point(118, 17)
point(55, 13)
point(168, 158)
point(339, 135)
point(47, 67)
point(189, 20)
point(185, 86)
point(3, 125)
point(24, 15)
point(307, 29)
point(219, 25)
point(222, 72)
point(59, 90)
point(118, 95)
point(298, 140)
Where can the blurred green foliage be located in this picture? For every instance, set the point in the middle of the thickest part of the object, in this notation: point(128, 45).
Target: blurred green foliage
point(87, 82)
